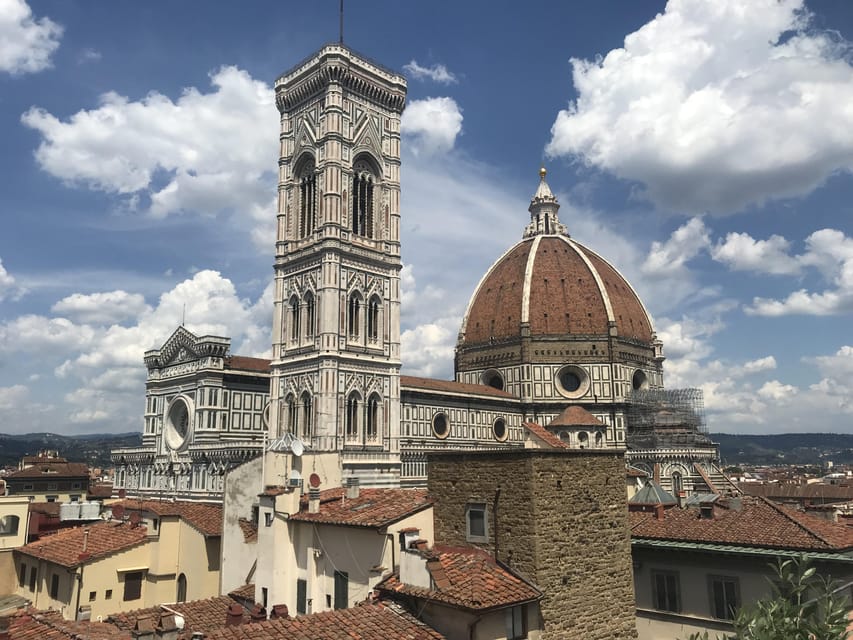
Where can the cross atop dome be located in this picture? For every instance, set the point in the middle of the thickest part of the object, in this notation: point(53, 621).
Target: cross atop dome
point(543, 211)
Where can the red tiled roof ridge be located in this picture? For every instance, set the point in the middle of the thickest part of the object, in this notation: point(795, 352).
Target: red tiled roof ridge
point(575, 416)
point(205, 517)
point(65, 546)
point(374, 507)
point(546, 436)
point(786, 513)
point(435, 384)
point(247, 362)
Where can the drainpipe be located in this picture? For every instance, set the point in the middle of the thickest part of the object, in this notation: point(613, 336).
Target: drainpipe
point(495, 512)
point(84, 555)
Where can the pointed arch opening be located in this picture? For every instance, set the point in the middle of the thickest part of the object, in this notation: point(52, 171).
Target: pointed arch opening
point(365, 178)
point(371, 422)
point(307, 415)
point(294, 319)
point(292, 414)
point(354, 315)
point(373, 307)
point(352, 416)
point(306, 180)
point(310, 316)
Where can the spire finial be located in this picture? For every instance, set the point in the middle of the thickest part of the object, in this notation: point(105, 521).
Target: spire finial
point(542, 172)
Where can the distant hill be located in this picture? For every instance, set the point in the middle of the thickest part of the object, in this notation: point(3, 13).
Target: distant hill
point(93, 449)
point(785, 448)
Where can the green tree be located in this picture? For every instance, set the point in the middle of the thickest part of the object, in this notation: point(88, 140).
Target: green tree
point(803, 606)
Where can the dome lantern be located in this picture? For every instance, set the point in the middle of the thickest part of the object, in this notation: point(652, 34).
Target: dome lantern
point(543, 211)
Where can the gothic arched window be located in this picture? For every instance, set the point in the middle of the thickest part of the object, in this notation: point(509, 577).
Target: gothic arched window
point(292, 414)
point(307, 415)
point(677, 482)
point(363, 181)
point(373, 319)
point(371, 426)
point(309, 315)
point(352, 416)
point(353, 314)
point(294, 319)
point(306, 178)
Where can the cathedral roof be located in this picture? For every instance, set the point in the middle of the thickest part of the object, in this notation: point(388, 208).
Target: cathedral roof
point(553, 284)
point(575, 416)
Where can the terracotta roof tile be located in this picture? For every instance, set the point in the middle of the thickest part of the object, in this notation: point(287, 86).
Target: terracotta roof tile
point(245, 363)
point(101, 490)
point(375, 508)
point(32, 624)
point(65, 546)
point(551, 439)
point(449, 386)
point(199, 615)
point(250, 531)
point(246, 592)
point(46, 508)
point(53, 469)
point(758, 523)
point(365, 622)
point(205, 517)
point(467, 578)
point(575, 416)
point(835, 492)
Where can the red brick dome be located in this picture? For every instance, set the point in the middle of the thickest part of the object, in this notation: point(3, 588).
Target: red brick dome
point(559, 288)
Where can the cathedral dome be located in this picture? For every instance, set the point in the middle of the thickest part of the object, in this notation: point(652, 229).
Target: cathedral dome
point(551, 286)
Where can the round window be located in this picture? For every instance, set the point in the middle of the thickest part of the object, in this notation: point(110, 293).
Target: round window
point(499, 429)
point(572, 381)
point(440, 425)
point(177, 425)
point(493, 378)
point(640, 380)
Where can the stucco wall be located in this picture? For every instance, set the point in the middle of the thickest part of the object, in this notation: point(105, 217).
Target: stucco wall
point(242, 486)
point(561, 521)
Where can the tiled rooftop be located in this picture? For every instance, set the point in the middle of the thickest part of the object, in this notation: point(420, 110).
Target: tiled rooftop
point(365, 622)
point(541, 433)
point(52, 469)
point(372, 508)
point(205, 517)
point(575, 416)
point(66, 545)
point(467, 578)
point(199, 615)
point(246, 592)
point(250, 531)
point(33, 624)
point(450, 386)
point(758, 523)
point(245, 363)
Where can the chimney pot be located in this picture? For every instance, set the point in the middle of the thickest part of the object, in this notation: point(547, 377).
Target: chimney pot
point(4, 628)
point(279, 611)
point(258, 613)
point(659, 512)
point(313, 500)
point(681, 496)
point(234, 616)
point(352, 488)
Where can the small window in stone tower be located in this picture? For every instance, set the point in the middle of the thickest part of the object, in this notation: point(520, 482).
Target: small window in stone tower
point(353, 315)
point(363, 181)
point(307, 415)
point(307, 185)
point(352, 416)
point(309, 315)
point(476, 523)
point(373, 319)
point(372, 421)
point(294, 319)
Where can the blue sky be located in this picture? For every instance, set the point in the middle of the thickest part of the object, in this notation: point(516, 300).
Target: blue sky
point(705, 148)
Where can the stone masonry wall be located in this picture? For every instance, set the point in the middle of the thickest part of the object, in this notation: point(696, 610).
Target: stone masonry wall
point(561, 521)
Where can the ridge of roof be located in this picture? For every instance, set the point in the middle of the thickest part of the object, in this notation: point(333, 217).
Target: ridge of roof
point(546, 436)
point(451, 386)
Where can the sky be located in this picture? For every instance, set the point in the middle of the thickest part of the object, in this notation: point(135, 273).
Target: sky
point(703, 147)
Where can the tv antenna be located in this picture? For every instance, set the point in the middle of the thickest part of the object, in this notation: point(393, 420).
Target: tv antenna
point(341, 13)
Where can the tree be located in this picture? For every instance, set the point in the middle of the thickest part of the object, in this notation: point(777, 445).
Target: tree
point(803, 606)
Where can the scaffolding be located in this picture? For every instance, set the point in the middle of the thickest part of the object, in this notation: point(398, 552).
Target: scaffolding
point(660, 418)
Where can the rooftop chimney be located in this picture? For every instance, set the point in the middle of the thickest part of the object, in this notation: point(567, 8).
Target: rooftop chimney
point(279, 611)
point(352, 488)
point(143, 629)
point(660, 512)
point(234, 616)
point(258, 613)
point(313, 500)
point(4, 628)
point(681, 496)
point(167, 628)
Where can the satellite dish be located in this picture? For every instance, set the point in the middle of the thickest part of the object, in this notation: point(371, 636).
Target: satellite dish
point(296, 447)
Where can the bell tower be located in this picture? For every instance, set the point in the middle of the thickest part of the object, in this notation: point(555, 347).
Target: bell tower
point(336, 329)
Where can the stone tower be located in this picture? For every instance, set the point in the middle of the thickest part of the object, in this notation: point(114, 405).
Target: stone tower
point(336, 330)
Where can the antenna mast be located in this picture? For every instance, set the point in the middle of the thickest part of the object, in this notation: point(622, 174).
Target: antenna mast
point(341, 36)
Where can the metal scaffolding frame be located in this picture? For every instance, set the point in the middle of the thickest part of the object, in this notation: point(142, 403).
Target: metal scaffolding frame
point(666, 417)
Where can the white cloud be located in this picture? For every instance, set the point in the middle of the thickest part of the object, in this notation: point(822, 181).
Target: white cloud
point(8, 286)
point(437, 73)
point(101, 308)
point(742, 252)
point(432, 124)
point(767, 363)
point(776, 391)
point(830, 252)
point(428, 348)
point(26, 42)
point(715, 106)
point(34, 333)
point(217, 149)
point(685, 243)
point(13, 397)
